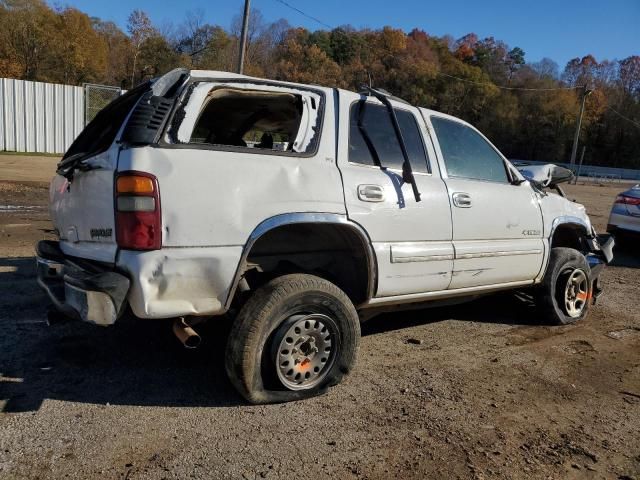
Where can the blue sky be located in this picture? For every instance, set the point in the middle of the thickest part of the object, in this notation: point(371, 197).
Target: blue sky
point(558, 29)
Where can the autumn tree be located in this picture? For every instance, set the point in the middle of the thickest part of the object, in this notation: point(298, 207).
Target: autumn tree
point(118, 53)
point(26, 33)
point(300, 62)
point(580, 71)
point(79, 49)
point(527, 109)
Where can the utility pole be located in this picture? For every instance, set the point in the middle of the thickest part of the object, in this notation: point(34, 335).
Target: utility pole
point(575, 182)
point(576, 137)
point(243, 37)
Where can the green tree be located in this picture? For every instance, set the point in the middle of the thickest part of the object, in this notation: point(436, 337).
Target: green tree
point(515, 60)
point(218, 54)
point(156, 57)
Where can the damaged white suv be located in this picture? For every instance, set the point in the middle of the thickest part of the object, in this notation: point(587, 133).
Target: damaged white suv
point(300, 210)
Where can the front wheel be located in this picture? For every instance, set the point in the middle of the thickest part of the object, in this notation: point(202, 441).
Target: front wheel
point(565, 293)
point(296, 336)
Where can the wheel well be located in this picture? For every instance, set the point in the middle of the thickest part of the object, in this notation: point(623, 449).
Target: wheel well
point(337, 253)
point(569, 235)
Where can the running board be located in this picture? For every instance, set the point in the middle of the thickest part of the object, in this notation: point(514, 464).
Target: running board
point(440, 294)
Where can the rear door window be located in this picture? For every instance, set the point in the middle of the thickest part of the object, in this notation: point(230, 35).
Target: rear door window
point(379, 128)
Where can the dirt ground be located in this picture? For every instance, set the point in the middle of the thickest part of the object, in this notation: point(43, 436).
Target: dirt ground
point(480, 390)
point(27, 168)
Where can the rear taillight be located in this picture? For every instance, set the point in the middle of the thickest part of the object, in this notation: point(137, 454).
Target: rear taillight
point(138, 224)
point(623, 199)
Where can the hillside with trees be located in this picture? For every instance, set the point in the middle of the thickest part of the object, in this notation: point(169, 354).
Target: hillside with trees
point(527, 109)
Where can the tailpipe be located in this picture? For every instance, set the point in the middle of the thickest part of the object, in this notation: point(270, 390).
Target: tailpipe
point(187, 335)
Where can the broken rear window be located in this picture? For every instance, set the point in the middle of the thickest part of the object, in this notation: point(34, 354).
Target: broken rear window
point(268, 118)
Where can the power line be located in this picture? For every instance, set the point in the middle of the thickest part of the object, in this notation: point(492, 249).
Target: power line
point(625, 118)
point(310, 17)
point(509, 88)
point(324, 24)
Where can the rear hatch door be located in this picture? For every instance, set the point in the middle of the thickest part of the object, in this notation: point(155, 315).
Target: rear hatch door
point(81, 195)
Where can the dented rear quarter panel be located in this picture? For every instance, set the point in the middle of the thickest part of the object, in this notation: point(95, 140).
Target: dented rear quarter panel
point(180, 281)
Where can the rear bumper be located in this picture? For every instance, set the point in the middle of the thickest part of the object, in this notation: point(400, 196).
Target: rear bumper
point(626, 222)
point(79, 289)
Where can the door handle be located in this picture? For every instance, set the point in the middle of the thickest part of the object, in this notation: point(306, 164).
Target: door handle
point(371, 193)
point(461, 199)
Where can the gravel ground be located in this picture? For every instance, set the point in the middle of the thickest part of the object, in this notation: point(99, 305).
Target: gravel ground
point(480, 390)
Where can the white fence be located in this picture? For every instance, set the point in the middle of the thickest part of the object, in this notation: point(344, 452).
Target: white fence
point(39, 117)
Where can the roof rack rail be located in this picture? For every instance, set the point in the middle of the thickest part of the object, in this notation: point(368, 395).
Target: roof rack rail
point(367, 90)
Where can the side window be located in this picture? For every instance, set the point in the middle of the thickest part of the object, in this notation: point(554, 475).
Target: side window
point(466, 154)
point(380, 130)
point(272, 120)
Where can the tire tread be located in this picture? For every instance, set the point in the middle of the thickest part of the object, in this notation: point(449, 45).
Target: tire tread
point(246, 337)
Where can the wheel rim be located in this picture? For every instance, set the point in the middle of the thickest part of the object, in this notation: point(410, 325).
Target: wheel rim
point(576, 293)
point(306, 349)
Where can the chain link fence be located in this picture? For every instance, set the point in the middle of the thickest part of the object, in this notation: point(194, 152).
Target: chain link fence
point(96, 97)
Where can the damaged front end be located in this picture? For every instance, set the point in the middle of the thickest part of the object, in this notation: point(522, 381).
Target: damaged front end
point(601, 254)
point(571, 222)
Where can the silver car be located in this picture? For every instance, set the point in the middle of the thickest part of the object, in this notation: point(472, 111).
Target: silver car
point(625, 213)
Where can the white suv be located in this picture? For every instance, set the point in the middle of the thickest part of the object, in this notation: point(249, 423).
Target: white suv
point(300, 210)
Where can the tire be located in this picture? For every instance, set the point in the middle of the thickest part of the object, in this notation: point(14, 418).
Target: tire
point(555, 297)
point(299, 308)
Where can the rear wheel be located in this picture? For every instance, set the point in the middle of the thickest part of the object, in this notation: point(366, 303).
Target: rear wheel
point(295, 336)
point(565, 293)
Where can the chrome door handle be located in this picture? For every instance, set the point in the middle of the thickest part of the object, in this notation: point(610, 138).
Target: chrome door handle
point(371, 193)
point(461, 199)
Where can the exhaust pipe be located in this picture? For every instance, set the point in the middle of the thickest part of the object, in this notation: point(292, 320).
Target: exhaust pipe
point(187, 335)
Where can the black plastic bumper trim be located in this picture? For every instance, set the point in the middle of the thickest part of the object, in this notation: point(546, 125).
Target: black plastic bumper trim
point(95, 278)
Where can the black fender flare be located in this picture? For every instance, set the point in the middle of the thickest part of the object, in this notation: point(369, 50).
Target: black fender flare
point(305, 217)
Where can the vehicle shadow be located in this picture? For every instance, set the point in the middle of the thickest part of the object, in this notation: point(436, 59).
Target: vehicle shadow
point(626, 253)
point(139, 362)
point(504, 308)
point(135, 362)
